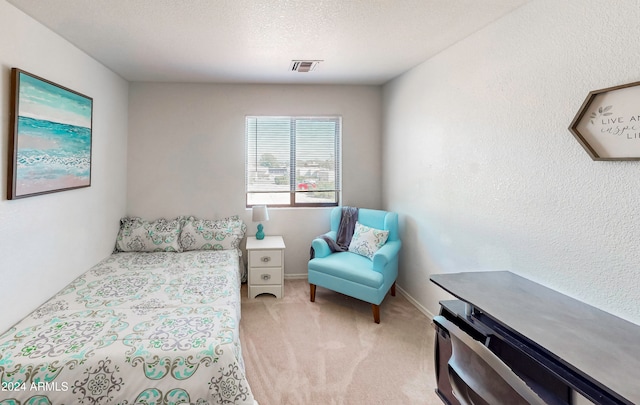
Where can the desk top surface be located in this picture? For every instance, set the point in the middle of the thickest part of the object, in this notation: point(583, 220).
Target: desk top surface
point(596, 343)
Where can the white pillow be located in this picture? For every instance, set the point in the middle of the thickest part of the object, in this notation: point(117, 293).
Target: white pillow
point(206, 234)
point(139, 235)
point(366, 241)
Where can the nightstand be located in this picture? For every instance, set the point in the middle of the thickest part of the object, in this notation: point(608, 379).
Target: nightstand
point(266, 266)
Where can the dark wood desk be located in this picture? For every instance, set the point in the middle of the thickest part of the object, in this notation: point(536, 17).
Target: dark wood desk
point(591, 351)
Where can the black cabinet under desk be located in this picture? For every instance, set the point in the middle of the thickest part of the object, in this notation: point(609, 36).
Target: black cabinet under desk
point(563, 350)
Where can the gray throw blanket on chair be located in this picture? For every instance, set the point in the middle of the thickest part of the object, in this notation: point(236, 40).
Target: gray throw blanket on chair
point(345, 231)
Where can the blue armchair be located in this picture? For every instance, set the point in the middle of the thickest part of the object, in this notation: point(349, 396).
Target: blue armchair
point(352, 274)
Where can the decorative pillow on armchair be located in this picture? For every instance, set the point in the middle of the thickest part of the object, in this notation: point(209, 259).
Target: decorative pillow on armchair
point(366, 241)
point(206, 234)
point(139, 235)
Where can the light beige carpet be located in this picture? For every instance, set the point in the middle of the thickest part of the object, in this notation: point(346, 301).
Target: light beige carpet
point(332, 353)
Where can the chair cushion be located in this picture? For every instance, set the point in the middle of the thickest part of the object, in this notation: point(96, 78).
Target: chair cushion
point(366, 240)
point(348, 266)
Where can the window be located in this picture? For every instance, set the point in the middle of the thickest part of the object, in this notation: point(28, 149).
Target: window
point(293, 161)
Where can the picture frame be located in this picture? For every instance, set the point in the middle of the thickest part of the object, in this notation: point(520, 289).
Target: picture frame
point(608, 123)
point(50, 139)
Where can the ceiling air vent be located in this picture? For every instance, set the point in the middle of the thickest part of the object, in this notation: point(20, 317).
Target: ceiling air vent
point(303, 66)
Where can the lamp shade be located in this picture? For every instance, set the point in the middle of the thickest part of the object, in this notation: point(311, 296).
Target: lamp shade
point(259, 213)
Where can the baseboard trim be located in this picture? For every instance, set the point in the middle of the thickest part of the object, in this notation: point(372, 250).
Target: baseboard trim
point(415, 303)
point(409, 298)
point(295, 276)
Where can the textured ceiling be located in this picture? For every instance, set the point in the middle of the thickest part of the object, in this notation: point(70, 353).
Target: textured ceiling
point(254, 41)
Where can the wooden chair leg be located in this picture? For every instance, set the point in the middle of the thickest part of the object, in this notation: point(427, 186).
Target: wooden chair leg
point(393, 289)
point(376, 313)
point(312, 292)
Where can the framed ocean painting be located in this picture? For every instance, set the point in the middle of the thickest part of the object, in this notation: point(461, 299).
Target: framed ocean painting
point(50, 139)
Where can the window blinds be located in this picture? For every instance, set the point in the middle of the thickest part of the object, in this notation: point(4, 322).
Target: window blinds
point(293, 161)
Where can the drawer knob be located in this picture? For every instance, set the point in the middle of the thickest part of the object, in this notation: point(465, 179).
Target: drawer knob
point(266, 277)
point(265, 259)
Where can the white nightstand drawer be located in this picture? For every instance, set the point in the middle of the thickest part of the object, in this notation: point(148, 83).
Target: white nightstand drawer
point(266, 275)
point(265, 258)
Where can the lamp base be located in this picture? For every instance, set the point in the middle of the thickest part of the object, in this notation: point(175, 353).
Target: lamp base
point(260, 234)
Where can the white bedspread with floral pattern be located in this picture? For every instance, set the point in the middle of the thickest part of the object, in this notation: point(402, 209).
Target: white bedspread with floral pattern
point(137, 328)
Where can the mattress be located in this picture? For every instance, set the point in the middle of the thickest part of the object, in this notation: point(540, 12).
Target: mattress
point(152, 328)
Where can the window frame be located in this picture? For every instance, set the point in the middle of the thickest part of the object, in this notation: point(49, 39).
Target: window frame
point(293, 163)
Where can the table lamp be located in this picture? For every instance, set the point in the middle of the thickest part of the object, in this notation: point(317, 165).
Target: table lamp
point(260, 214)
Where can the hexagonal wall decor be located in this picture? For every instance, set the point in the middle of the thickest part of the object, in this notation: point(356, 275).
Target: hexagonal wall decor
point(608, 123)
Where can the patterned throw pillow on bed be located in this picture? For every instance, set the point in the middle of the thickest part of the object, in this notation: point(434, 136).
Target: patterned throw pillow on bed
point(366, 241)
point(139, 235)
point(206, 234)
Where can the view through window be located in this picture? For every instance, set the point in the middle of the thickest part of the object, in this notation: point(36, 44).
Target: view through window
point(293, 161)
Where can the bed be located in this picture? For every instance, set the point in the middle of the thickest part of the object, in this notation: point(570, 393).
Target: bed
point(140, 327)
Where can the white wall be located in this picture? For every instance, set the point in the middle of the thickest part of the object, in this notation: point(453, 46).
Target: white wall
point(46, 241)
point(186, 152)
point(486, 176)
